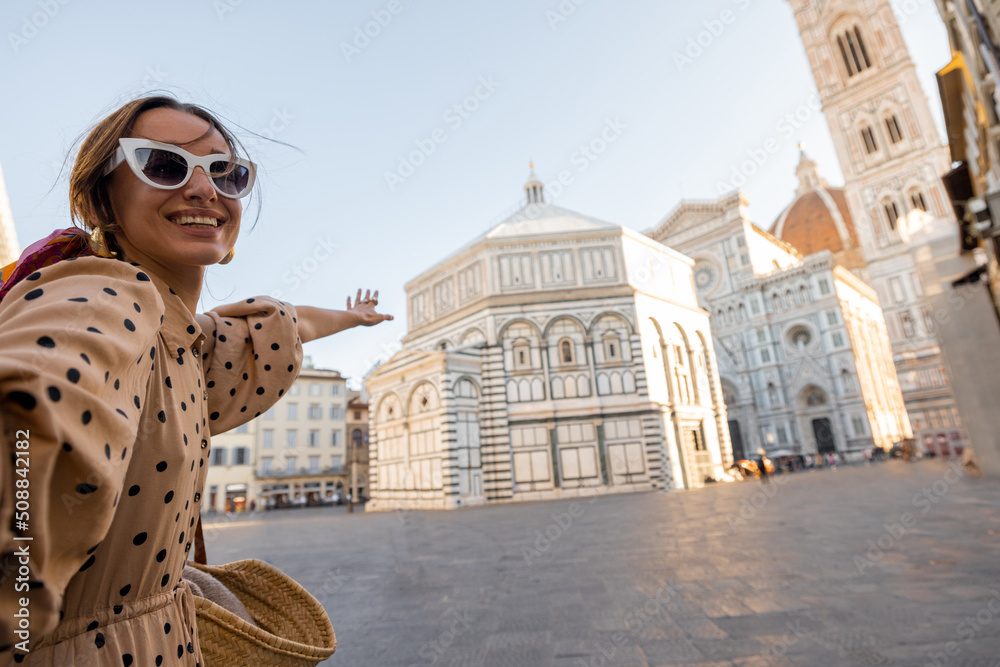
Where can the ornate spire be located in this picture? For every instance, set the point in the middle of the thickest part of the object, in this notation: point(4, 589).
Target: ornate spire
point(808, 173)
point(534, 188)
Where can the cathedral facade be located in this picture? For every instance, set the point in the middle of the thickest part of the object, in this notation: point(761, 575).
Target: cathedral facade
point(892, 159)
point(804, 356)
point(555, 356)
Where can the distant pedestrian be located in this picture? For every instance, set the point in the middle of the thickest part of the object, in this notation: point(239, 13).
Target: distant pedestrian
point(762, 467)
point(868, 456)
point(253, 507)
point(831, 461)
point(807, 462)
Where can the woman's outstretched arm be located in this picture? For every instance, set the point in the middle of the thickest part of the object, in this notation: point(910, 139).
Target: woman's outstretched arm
point(320, 322)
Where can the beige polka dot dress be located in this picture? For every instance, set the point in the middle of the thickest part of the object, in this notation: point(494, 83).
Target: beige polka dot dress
point(116, 388)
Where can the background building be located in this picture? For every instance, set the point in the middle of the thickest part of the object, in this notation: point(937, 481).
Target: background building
point(892, 159)
point(804, 357)
point(357, 441)
point(9, 248)
point(555, 355)
point(294, 453)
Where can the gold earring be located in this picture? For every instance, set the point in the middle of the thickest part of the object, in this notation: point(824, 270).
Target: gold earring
point(99, 244)
point(229, 257)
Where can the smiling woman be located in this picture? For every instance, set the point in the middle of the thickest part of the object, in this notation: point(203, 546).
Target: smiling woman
point(120, 384)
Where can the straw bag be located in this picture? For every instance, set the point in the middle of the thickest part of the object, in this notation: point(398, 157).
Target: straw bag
point(292, 629)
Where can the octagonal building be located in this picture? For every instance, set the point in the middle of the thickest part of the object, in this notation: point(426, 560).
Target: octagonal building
point(554, 356)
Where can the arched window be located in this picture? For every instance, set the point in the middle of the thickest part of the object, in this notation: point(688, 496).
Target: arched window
point(522, 354)
point(853, 51)
point(776, 302)
point(895, 134)
point(803, 294)
point(356, 437)
point(612, 347)
point(847, 381)
point(869, 138)
point(917, 199)
point(891, 213)
point(772, 394)
point(566, 351)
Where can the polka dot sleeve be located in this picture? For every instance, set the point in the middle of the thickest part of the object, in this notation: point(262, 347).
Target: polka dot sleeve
point(252, 355)
point(75, 342)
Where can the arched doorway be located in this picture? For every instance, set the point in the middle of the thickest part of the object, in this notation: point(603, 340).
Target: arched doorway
point(814, 407)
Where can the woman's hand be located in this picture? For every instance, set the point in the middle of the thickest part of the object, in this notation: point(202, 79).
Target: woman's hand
point(364, 309)
point(321, 322)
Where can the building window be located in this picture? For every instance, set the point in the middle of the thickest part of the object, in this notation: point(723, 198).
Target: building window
point(291, 463)
point(612, 348)
point(761, 335)
point(314, 438)
point(907, 323)
point(269, 414)
point(336, 412)
point(891, 214)
point(336, 462)
point(291, 437)
point(219, 456)
point(266, 464)
point(313, 465)
point(268, 438)
point(243, 428)
point(315, 389)
point(241, 456)
point(853, 51)
point(357, 438)
point(859, 425)
point(895, 135)
point(765, 356)
point(293, 411)
point(917, 199)
point(772, 394)
point(824, 286)
point(897, 290)
point(754, 307)
point(522, 356)
point(744, 259)
point(566, 351)
point(869, 138)
point(782, 436)
point(838, 340)
point(357, 415)
point(294, 389)
point(831, 318)
point(335, 439)
point(335, 390)
point(315, 411)
point(847, 381)
point(928, 320)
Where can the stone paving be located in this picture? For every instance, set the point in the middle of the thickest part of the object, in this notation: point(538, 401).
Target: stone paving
point(893, 564)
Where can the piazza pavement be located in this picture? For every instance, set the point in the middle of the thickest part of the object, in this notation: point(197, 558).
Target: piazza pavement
point(893, 564)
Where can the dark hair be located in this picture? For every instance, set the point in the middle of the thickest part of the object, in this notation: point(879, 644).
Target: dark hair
point(89, 201)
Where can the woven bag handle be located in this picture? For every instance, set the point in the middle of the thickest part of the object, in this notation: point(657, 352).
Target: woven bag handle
point(199, 545)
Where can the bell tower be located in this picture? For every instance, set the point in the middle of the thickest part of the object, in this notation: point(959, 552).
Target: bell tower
point(889, 149)
point(892, 158)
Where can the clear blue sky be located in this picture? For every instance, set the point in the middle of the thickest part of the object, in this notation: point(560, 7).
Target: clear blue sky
point(282, 68)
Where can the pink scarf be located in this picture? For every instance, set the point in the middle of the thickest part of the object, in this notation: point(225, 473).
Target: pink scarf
point(57, 246)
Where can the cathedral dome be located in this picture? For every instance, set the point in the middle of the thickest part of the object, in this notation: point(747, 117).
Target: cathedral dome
point(818, 218)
